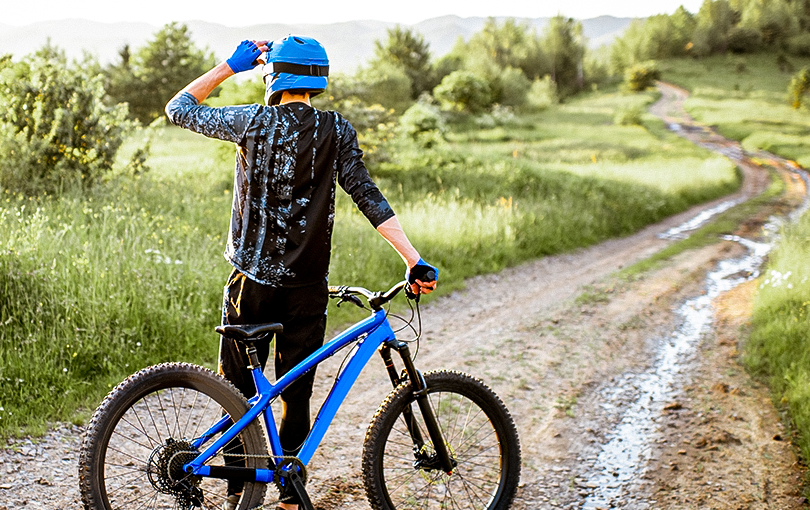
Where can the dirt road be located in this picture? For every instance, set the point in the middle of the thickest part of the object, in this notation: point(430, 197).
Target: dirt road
point(571, 351)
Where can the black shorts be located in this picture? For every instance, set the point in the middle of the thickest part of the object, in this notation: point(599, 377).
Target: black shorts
point(302, 312)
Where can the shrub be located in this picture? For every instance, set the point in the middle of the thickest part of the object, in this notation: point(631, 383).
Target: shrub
point(799, 86)
point(799, 45)
point(628, 117)
point(55, 131)
point(463, 91)
point(514, 87)
point(744, 40)
point(542, 93)
point(423, 124)
point(641, 76)
point(375, 126)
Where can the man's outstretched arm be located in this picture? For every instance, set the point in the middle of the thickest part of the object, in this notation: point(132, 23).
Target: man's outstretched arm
point(418, 269)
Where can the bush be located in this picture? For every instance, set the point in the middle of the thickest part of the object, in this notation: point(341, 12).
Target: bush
point(463, 91)
point(385, 84)
point(628, 117)
point(799, 86)
point(423, 124)
point(375, 126)
point(799, 45)
point(55, 131)
point(744, 40)
point(514, 87)
point(542, 93)
point(641, 76)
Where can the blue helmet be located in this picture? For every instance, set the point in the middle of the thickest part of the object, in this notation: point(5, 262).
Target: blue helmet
point(295, 63)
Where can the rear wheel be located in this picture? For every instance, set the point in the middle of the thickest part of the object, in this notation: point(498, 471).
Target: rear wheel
point(480, 436)
point(141, 435)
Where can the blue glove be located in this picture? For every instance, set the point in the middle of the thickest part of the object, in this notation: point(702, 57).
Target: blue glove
point(423, 272)
point(244, 58)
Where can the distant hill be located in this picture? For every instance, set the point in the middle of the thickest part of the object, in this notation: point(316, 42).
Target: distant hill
point(349, 44)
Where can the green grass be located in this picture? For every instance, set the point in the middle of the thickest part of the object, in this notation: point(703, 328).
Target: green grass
point(779, 346)
point(95, 287)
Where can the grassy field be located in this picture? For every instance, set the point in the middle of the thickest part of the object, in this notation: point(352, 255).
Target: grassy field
point(752, 106)
point(95, 287)
point(747, 102)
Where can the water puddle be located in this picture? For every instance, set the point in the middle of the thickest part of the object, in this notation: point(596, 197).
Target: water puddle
point(624, 458)
point(682, 231)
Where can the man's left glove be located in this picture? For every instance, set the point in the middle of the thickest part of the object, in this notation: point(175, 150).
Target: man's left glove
point(244, 58)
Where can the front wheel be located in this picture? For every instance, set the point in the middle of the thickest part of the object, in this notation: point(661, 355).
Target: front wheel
point(400, 469)
point(141, 435)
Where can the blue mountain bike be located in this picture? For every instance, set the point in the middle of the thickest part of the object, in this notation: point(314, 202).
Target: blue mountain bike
point(173, 436)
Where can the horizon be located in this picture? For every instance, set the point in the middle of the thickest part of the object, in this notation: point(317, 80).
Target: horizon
point(325, 13)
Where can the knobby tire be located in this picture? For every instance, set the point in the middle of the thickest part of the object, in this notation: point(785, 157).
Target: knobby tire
point(137, 438)
point(480, 434)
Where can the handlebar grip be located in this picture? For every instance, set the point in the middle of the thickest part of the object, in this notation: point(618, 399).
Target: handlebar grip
point(430, 275)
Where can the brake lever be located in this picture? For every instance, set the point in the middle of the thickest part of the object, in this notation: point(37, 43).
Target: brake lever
point(410, 295)
point(350, 298)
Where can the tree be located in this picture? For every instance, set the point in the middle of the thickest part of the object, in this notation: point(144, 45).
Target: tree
point(150, 77)
point(55, 130)
point(408, 50)
point(564, 45)
point(384, 83)
point(714, 21)
point(510, 44)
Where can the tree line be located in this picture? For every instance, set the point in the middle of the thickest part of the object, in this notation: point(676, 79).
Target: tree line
point(720, 26)
point(62, 123)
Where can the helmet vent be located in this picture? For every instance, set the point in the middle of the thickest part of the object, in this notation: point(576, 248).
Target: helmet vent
point(299, 41)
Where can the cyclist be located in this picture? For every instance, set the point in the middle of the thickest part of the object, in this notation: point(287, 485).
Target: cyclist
point(289, 157)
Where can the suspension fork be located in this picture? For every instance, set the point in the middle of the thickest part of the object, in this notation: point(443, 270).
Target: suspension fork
point(419, 387)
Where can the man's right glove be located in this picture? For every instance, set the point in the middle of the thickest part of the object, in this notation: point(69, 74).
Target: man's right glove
point(244, 58)
point(423, 272)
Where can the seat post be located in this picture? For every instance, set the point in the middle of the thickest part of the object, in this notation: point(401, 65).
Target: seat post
point(253, 356)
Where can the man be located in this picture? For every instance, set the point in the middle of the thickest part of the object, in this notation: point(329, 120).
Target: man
point(289, 158)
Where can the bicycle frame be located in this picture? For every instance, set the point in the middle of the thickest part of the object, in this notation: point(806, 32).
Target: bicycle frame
point(378, 332)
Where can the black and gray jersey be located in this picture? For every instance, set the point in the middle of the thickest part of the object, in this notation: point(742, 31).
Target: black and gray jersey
point(289, 159)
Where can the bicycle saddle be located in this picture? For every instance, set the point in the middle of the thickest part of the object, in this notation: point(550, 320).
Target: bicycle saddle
point(249, 332)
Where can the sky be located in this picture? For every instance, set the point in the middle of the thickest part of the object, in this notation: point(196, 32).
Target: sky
point(159, 12)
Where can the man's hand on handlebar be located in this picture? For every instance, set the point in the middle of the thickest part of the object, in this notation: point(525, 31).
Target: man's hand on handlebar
point(422, 278)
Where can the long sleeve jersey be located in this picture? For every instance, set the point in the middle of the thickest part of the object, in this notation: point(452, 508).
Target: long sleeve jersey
point(288, 160)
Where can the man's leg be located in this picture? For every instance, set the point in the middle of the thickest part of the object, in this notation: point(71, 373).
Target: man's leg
point(241, 299)
point(304, 328)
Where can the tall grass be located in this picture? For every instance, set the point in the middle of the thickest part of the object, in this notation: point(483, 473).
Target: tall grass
point(779, 346)
point(95, 287)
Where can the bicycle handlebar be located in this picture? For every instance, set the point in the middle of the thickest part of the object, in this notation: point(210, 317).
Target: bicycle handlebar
point(375, 299)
